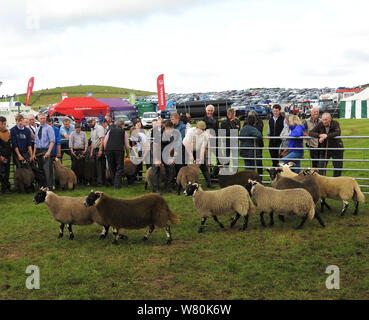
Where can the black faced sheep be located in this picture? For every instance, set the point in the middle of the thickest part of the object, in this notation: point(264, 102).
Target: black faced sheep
point(69, 210)
point(239, 178)
point(148, 210)
point(338, 188)
point(187, 174)
point(64, 177)
point(230, 200)
point(284, 202)
point(307, 182)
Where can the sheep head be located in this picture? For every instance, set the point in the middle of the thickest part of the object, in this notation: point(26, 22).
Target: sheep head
point(273, 172)
point(250, 186)
point(40, 196)
point(191, 189)
point(92, 197)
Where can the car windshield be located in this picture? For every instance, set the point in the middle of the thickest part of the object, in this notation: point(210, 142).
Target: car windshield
point(150, 115)
point(124, 118)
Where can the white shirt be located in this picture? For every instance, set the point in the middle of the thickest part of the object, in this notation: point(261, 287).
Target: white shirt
point(141, 140)
point(97, 132)
point(202, 139)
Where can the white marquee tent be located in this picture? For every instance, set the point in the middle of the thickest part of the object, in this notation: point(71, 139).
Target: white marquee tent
point(356, 106)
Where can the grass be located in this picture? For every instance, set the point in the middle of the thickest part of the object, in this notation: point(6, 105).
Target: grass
point(273, 263)
point(50, 96)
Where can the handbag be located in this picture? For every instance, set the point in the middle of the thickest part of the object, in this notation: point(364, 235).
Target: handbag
point(285, 152)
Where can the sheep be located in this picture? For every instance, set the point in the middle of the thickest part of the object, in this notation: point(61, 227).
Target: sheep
point(23, 179)
point(63, 176)
point(284, 202)
point(306, 182)
point(130, 171)
point(148, 178)
point(221, 202)
point(187, 174)
point(239, 178)
point(286, 171)
point(70, 210)
point(338, 188)
point(147, 210)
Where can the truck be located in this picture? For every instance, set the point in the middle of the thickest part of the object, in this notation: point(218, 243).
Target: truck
point(329, 103)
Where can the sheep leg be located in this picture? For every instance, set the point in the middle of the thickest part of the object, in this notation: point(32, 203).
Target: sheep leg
point(322, 204)
point(262, 219)
point(344, 209)
point(104, 232)
point(319, 219)
point(356, 207)
point(169, 235)
point(218, 222)
point(202, 224)
point(245, 221)
point(281, 218)
point(271, 223)
point(151, 229)
point(116, 236)
point(61, 231)
point(302, 222)
point(71, 235)
point(235, 219)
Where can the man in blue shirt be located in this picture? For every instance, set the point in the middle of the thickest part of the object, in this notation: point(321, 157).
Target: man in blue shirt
point(56, 151)
point(44, 143)
point(65, 131)
point(21, 142)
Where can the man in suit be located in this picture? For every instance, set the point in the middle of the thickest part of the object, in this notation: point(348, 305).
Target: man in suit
point(275, 127)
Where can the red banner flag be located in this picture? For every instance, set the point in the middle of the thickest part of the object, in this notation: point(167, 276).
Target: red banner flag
point(161, 92)
point(29, 89)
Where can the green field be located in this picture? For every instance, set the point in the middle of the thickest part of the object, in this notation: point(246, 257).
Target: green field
point(51, 96)
point(273, 263)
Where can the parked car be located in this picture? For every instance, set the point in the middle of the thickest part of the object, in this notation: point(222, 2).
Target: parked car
point(58, 121)
point(127, 123)
point(260, 110)
point(147, 118)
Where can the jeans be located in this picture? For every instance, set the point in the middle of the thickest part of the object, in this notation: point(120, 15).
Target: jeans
point(293, 154)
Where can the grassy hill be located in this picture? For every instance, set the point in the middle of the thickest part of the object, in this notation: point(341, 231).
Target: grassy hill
point(51, 96)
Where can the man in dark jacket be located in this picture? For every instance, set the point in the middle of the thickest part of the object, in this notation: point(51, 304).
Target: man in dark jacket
point(212, 126)
point(166, 145)
point(275, 127)
point(5, 153)
point(248, 145)
point(326, 131)
point(231, 123)
point(115, 142)
point(260, 142)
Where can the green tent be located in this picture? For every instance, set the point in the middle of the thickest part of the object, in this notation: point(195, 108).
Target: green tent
point(144, 106)
point(356, 106)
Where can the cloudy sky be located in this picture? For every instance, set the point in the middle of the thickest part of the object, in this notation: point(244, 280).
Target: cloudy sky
point(199, 45)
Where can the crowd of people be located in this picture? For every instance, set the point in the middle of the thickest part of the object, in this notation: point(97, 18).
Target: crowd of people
point(170, 143)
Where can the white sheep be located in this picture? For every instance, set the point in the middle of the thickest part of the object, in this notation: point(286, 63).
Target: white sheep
point(232, 199)
point(70, 210)
point(338, 188)
point(284, 202)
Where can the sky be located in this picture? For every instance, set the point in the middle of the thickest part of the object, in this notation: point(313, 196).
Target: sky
point(199, 45)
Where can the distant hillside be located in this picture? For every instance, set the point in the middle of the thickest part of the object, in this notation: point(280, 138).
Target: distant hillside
point(51, 96)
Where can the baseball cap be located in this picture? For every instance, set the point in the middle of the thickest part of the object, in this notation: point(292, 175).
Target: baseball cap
point(201, 125)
